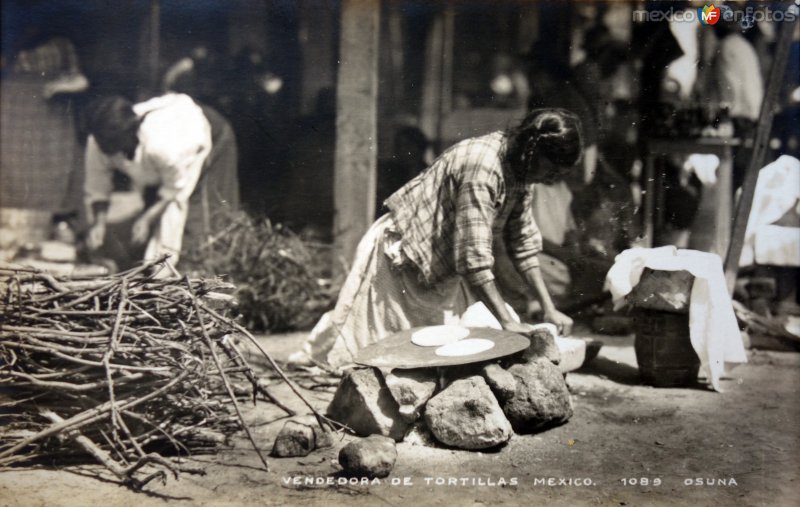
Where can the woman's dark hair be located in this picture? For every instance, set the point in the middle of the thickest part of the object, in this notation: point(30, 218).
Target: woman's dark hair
point(553, 133)
point(111, 120)
point(108, 114)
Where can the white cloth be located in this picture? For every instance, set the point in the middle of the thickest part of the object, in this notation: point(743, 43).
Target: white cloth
point(776, 245)
point(777, 191)
point(704, 166)
point(713, 329)
point(174, 141)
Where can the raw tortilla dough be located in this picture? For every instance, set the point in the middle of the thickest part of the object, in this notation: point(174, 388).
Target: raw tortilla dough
point(436, 336)
point(465, 347)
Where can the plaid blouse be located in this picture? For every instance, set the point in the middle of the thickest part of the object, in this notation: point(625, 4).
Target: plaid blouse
point(56, 56)
point(451, 213)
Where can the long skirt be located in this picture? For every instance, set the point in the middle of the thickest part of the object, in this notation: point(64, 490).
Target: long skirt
point(383, 294)
point(39, 148)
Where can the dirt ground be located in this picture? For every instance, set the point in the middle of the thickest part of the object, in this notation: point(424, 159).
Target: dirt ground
point(627, 444)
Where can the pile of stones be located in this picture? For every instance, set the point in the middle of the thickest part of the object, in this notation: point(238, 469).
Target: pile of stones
point(471, 407)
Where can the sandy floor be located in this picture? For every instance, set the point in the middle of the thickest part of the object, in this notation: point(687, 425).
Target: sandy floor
point(627, 444)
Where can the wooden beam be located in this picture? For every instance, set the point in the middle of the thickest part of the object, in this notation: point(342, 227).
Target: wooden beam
point(774, 84)
point(356, 125)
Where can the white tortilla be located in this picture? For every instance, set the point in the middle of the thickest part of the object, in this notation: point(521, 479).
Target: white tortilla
point(436, 336)
point(466, 347)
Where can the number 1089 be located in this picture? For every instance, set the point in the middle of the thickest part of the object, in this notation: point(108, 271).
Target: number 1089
point(641, 481)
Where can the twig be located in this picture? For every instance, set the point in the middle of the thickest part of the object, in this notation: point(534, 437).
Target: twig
point(88, 416)
point(107, 461)
point(235, 355)
point(224, 377)
point(321, 419)
point(112, 348)
point(66, 385)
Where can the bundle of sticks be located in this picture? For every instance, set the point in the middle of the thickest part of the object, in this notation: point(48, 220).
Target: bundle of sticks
point(130, 369)
point(282, 282)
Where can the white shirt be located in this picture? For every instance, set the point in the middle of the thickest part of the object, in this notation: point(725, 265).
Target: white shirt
point(174, 141)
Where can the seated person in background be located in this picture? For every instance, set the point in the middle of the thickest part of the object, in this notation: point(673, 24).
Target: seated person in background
point(180, 156)
point(551, 211)
point(509, 85)
point(409, 159)
point(740, 86)
point(582, 229)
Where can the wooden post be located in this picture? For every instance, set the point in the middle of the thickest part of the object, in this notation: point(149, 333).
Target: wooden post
point(774, 84)
point(356, 125)
point(437, 88)
point(430, 110)
point(318, 44)
point(149, 46)
point(446, 103)
point(154, 46)
point(395, 50)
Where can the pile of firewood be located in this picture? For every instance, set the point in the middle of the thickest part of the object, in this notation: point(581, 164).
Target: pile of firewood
point(130, 369)
point(282, 282)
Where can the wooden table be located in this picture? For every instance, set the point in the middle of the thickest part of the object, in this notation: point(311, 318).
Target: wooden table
point(711, 228)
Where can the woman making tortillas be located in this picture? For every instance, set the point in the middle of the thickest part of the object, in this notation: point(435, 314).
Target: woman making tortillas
point(429, 260)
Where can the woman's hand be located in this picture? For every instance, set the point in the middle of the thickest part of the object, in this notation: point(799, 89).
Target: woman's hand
point(141, 230)
point(563, 323)
point(518, 327)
